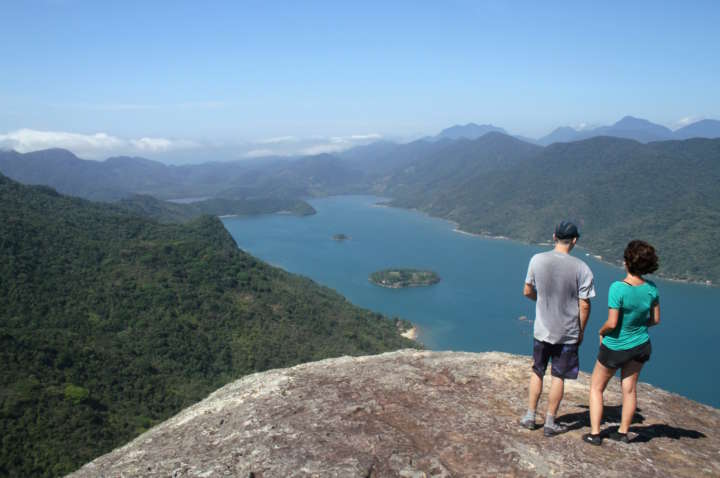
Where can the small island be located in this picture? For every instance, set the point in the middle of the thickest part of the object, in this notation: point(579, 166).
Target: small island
point(340, 237)
point(401, 278)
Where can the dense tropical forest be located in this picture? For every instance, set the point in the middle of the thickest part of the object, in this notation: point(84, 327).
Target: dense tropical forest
point(111, 322)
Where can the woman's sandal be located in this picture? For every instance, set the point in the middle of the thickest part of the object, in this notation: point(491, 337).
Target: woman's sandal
point(592, 439)
point(617, 436)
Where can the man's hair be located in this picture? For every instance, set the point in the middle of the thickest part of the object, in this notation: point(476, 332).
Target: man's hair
point(567, 241)
point(640, 258)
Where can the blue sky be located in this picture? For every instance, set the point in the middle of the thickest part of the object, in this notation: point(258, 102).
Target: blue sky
point(268, 72)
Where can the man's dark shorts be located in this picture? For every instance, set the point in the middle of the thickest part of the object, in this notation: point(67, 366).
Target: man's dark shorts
point(565, 361)
point(619, 358)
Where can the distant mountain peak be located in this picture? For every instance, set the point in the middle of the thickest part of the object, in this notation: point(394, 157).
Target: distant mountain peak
point(563, 134)
point(706, 128)
point(469, 131)
point(631, 122)
point(53, 152)
point(628, 126)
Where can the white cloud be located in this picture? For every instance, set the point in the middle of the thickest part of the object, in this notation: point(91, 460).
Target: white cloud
point(258, 153)
point(279, 139)
point(586, 126)
point(294, 145)
point(102, 145)
point(364, 137)
point(98, 145)
point(323, 148)
point(687, 121)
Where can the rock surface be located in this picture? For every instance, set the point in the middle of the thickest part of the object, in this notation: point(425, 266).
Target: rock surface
point(412, 414)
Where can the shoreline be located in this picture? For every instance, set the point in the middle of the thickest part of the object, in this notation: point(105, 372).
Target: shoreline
point(457, 229)
point(588, 253)
point(400, 286)
point(482, 236)
point(411, 333)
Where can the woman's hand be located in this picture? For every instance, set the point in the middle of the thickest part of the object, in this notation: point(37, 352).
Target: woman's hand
point(611, 323)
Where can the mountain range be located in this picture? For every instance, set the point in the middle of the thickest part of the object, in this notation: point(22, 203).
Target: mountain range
point(495, 184)
point(628, 127)
point(635, 128)
point(122, 177)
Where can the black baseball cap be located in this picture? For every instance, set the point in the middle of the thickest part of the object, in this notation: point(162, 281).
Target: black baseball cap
point(566, 230)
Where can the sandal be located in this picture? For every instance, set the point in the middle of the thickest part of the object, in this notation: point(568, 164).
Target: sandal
point(592, 439)
point(617, 436)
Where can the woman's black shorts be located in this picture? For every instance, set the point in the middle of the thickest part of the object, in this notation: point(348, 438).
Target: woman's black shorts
point(618, 358)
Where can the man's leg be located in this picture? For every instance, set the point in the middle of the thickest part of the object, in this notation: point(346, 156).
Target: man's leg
point(557, 389)
point(565, 365)
point(536, 386)
point(541, 356)
point(535, 389)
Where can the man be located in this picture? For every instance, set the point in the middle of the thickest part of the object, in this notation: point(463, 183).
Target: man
point(561, 286)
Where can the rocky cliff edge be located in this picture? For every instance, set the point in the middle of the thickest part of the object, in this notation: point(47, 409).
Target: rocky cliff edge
point(413, 414)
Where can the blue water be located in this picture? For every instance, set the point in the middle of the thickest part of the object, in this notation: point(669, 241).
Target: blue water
point(478, 305)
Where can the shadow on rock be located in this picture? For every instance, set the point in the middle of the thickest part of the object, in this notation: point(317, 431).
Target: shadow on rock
point(660, 430)
point(611, 413)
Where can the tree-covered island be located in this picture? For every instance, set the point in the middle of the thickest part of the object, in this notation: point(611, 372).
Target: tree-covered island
point(401, 278)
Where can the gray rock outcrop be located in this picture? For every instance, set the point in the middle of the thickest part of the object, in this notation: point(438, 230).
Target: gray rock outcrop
point(412, 414)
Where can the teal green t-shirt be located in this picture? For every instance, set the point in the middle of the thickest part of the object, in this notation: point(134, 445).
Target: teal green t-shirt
point(634, 303)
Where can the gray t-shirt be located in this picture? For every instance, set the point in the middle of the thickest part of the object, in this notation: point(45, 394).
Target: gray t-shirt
point(560, 280)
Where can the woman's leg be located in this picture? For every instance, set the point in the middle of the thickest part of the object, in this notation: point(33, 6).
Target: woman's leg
point(630, 375)
point(600, 377)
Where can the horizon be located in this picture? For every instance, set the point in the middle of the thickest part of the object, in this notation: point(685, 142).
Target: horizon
point(197, 153)
point(177, 80)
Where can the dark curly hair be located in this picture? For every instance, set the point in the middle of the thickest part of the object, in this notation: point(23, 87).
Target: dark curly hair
point(640, 258)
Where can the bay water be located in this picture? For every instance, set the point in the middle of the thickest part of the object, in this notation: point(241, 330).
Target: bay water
point(478, 305)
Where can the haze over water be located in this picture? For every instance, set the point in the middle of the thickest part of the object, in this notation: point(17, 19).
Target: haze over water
point(478, 305)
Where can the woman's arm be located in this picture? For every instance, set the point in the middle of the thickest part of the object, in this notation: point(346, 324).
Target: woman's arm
point(654, 315)
point(611, 322)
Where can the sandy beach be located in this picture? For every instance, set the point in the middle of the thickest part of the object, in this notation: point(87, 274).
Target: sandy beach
point(411, 333)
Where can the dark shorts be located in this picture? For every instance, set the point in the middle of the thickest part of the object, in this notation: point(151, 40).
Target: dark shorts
point(618, 358)
point(565, 361)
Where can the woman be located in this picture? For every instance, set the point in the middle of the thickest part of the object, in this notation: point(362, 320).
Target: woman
point(633, 306)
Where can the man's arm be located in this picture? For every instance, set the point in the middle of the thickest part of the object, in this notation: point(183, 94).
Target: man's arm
point(584, 316)
point(530, 292)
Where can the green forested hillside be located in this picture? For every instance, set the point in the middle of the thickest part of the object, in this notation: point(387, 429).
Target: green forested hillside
point(165, 211)
point(110, 322)
point(667, 193)
point(439, 173)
